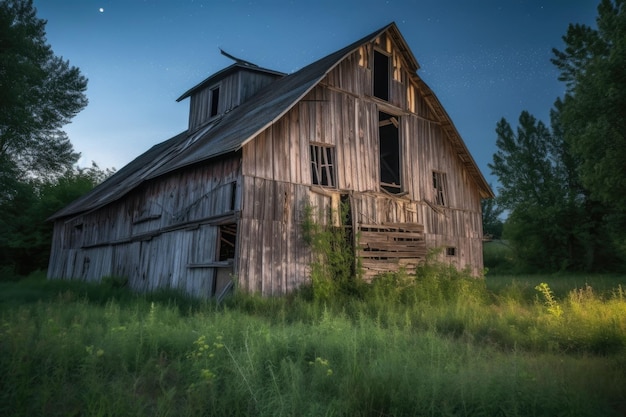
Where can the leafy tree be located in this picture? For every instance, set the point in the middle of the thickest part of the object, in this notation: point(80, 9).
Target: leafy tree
point(533, 168)
point(25, 235)
point(39, 93)
point(593, 111)
point(593, 116)
point(492, 224)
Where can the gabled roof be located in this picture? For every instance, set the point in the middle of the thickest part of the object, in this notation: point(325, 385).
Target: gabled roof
point(239, 126)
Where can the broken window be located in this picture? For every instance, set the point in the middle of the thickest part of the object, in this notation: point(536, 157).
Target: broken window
point(323, 166)
point(227, 242)
point(381, 75)
point(440, 188)
point(215, 101)
point(389, 145)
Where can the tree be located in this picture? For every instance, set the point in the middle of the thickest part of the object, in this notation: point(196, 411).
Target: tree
point(593, 111)
point(532, 166)
point(25, 235)
point(593, 115)
point(39, 94)
point(492, 224)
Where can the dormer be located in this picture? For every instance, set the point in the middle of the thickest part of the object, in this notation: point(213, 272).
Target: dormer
point(225, 90)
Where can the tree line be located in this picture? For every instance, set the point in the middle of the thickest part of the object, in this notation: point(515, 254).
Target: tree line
point(563, 186)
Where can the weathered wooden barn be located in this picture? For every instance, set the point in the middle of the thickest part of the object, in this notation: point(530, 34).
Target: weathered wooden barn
point(224, 199)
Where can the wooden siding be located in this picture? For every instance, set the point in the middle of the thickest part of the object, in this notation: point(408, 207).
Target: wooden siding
point(341, 112)
point(155, 234)
point(390, 247)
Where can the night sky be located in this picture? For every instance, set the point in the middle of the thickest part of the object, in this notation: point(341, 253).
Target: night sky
point(484, 59)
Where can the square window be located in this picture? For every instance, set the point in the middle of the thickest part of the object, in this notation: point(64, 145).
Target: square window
point(323, 166)
point(451, 251)
point(440, 188)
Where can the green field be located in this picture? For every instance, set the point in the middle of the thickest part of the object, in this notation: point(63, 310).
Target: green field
point(439, 345)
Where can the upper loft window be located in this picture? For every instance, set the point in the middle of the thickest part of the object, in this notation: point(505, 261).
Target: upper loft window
point(389, 158)
point(440, 188)
point(381, 75)
point(215, 101)
point(323, 166)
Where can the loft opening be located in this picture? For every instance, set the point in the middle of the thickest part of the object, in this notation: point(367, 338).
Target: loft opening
point(215, 101)
point(389, 148)
point(381, 75)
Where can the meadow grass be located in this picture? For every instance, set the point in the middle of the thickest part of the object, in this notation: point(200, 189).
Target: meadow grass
point(436, 345)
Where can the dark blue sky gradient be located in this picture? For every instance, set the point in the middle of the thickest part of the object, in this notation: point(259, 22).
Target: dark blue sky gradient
point(484, 59)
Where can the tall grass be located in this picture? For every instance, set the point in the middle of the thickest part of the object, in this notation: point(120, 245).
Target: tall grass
point(436, 344)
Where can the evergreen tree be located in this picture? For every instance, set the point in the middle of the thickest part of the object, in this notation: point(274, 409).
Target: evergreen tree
point(593, 66)
point(593, 115)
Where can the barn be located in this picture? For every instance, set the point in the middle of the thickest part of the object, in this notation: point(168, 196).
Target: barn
point(224, 200)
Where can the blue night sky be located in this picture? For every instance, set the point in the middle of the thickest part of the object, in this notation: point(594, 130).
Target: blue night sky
point(484, 59)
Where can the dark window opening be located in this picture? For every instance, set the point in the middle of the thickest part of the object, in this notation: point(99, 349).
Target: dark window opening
point(227, 241)
point(451, 251)
point(389, 143)
point(323, 166)
point(440, 188)
point(233, 195)
point(215, 101)
point(381, 75)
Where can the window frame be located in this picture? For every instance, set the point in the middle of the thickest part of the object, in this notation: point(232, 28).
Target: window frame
point(393, 188)
point(323, 169)
point(227, 236)
point(440, 189)
point(214, 100)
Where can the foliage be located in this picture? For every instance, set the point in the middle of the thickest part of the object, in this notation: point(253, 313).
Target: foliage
point(25, 235)
point(563, 187)
point(333, 261)
point(498, 257)
point(552, 305)
point(491, 212)
point(71, 351)
point(594, 107)
point(39, 94)
point(530, 166)
point(593, 114)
